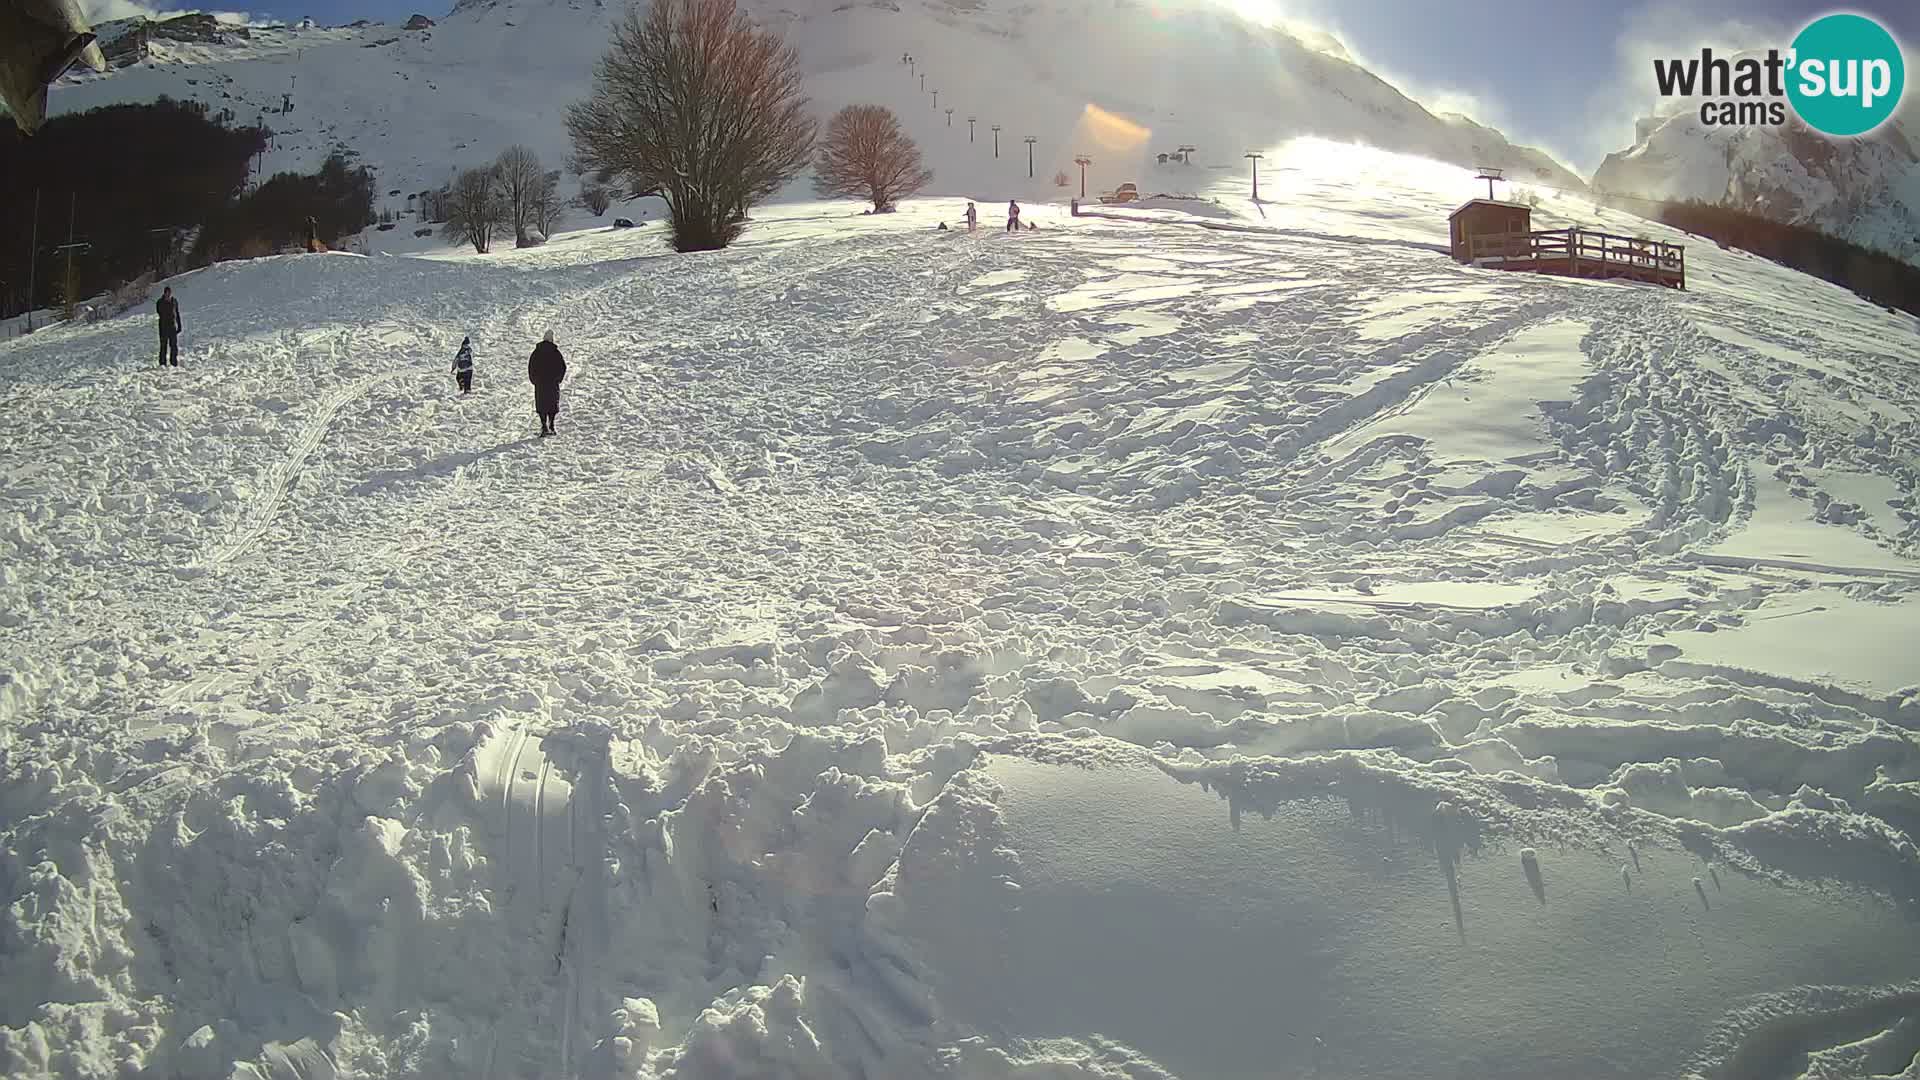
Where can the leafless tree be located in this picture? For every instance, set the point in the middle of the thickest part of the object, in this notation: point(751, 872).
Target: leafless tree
point(521, 178)
point(546, 207)
point(865, 154)
point(595, 198)
point(476, 208)
point(697, 103)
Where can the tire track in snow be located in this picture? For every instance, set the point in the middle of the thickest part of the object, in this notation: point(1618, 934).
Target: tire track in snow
point(553, 901)
point(253, 524)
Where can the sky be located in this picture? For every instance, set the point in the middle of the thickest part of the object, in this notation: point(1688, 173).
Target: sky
point(1572, 76)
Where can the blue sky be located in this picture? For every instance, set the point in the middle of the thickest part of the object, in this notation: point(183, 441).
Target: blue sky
point(1573, 74)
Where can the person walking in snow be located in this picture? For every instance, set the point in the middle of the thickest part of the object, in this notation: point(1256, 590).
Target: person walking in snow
point(169, 311)
point(463, 366)
point(1013, 216)
point(546, 369)
point(973, 217)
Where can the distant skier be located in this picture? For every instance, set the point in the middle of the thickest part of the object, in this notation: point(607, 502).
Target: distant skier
point(546, 369)
point(1013, 216)
point(463, 366)
point(973, 218)
point(169, 311)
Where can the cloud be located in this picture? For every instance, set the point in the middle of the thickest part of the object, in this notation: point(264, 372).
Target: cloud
point(1307, 27)
point(97, 11)
point(1652, 31)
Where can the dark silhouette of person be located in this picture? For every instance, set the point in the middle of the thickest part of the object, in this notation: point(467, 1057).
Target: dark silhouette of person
point(463, 366)
point(546, 370)
point(169, 311)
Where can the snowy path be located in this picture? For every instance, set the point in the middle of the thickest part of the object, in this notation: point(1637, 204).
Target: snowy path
point(639, 746)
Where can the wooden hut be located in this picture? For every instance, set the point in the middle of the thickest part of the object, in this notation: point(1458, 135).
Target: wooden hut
point(1486, 217)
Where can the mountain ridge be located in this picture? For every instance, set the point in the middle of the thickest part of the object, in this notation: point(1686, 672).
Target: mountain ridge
point(412, 103)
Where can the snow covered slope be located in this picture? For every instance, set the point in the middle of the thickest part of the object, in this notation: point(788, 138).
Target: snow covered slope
point(1115, 79)
point(1155, 645)
point(1866, 190)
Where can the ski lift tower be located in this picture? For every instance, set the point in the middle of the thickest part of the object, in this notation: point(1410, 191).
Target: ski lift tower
point(1491, 174)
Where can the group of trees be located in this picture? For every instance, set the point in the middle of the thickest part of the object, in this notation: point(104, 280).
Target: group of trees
point(697, 104)
point(693, 102)
point(1875, 276)
point(75, 171)
point(188, 204)
point(513, 192)
point(273, 216)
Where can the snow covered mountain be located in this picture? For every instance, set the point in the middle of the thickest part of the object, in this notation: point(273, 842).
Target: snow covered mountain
point(1866, 190)
point(1120, 80)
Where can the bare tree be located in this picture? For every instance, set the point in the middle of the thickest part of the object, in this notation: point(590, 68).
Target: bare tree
point(697, 103)
point(595, 197)
point(476, 208)
point(520, 179)
point(546, 207)
point(867, 155)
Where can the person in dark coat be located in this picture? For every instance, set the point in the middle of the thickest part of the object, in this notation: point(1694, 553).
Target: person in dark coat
point(546, 369)
point(169, 311)
point(1013, 216)
point(463, 366)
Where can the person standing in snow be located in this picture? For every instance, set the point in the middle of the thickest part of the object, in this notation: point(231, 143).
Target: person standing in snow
point(463, 366)
point(973, 217)
point(546, 369)
point(1013, 216)
point(169, 311)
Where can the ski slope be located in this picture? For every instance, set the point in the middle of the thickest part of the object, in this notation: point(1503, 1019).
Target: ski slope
point(1115, 80)
point(1222, 644)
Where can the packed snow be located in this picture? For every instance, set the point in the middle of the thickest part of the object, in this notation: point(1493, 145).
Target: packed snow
point(876, 673)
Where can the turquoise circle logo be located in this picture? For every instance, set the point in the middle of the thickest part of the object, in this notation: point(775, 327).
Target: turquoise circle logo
point(1848, 75)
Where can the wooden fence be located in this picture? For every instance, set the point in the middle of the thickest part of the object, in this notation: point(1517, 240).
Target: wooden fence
point(1583, 253)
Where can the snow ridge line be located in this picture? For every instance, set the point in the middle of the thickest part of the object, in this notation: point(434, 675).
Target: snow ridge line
point(253, 524)
point(1450, 350)
point(1274, 231)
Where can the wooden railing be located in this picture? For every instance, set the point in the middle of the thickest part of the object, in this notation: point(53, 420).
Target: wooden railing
point(1584, 253)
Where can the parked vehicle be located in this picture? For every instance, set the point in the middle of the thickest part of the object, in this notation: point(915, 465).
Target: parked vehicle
point(1123, 193)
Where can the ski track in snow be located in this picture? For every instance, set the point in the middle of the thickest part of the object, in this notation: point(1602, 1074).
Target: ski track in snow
point(634, 750)
point(259, 516)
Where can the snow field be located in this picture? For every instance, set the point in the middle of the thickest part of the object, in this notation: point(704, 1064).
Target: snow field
point(841, 691)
